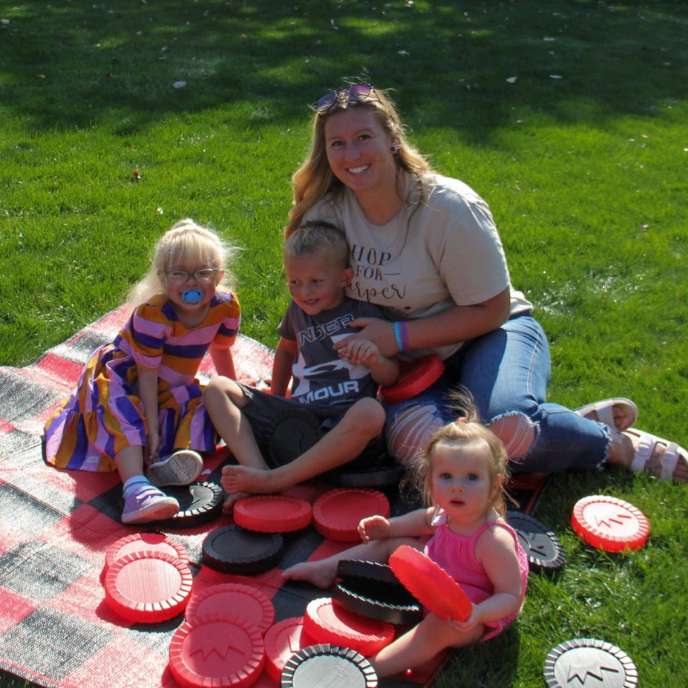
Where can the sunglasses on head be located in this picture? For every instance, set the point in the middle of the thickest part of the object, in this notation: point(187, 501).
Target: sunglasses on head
point(345, 95)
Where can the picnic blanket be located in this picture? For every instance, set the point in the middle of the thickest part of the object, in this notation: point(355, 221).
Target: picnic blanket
point(55, 627)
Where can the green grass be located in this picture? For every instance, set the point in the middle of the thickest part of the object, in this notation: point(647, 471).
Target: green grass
point(585, 174)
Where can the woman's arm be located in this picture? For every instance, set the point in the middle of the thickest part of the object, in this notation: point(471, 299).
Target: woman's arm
point(457, 324)
point(223, 360)
point(285, 355)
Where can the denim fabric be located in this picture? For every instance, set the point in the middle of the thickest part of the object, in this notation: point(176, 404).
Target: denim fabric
point(507, 371)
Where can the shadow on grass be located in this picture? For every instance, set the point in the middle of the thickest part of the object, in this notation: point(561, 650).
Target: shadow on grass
point(489, 665)
point(77, 63)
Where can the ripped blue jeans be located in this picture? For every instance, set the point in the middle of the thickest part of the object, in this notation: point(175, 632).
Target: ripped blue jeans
point(507, 371)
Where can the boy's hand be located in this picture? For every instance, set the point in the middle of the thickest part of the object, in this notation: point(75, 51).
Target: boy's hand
point(373, 528)
point(359, 352)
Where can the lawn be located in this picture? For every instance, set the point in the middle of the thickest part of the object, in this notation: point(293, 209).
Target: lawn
point(569, 117)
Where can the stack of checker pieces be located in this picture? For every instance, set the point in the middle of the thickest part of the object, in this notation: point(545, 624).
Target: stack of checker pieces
point(325, 636)
point(58, 526)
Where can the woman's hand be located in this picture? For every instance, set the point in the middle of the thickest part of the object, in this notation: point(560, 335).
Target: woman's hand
point(378, 331)
point(373, 528)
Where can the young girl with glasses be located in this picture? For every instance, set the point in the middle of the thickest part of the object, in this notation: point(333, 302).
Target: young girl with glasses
point(138, 404)
point(462, 474)
point(425, 248)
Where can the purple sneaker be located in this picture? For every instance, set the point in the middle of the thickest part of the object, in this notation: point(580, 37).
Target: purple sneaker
point(148, 504)
point(179, 468)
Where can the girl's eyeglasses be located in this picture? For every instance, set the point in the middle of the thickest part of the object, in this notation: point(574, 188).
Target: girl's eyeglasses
point(203, 275)
point(344, 96)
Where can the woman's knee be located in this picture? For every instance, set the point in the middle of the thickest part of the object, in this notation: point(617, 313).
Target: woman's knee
point(517, 432)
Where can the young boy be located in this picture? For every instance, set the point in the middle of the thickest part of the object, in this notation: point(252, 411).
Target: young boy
point(332, 414)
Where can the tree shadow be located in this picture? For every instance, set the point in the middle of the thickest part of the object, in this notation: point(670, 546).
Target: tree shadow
point(470, 67)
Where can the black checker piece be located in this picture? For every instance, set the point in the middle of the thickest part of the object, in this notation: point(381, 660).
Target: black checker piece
point(540, 543)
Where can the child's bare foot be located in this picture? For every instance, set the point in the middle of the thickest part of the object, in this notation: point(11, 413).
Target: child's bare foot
point(248, 479)
point(319, 573)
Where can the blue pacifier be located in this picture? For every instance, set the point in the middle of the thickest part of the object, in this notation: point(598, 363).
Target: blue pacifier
point(192, 296)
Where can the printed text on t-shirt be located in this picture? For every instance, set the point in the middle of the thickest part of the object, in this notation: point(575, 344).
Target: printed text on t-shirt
point(368, 264)
point(317, 332)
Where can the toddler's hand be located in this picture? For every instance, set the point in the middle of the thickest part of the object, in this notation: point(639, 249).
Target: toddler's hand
point(373, 528)
point(360, 352)
point(470, 623)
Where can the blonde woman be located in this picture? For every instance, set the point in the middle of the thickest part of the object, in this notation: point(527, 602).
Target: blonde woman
point(425, 248)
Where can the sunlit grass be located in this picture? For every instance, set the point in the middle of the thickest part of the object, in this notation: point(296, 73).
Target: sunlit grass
point(569, 117)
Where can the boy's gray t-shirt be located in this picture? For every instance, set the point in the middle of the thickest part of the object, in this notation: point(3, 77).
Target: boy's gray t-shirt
point(320, 376)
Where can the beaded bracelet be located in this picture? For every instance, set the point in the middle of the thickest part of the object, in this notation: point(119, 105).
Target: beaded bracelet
point(396, 327)
point(403, 329)
point(401, 335)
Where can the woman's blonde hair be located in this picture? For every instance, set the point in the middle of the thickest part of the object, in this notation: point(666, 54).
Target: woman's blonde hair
point(314, 178)
point(466, 432)
point(186, 241)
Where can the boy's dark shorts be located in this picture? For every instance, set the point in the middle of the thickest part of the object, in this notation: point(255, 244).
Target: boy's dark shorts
point(284, 428)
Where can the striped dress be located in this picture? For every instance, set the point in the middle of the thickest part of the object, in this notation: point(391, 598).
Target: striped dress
point(105, 413)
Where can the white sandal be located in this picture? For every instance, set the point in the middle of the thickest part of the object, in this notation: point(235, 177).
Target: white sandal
point(645, 448)
point(605, 412)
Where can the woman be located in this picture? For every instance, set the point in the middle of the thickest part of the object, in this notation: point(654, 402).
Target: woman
point(425, 248)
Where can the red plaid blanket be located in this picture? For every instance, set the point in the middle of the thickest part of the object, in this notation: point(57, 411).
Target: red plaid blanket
point(55, 628)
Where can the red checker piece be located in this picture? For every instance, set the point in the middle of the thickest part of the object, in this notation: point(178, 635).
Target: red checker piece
point(609, 523)
point(414, 377)
point(430, 584)
point(325, 622)
point(216, 653)
point(272, 513)
point(282, 641)
point(232, 601)
point(144, 542)
point(337, 513)
point(148, 587)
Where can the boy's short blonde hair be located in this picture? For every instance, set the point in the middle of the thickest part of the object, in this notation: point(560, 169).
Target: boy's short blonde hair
point(317, 236)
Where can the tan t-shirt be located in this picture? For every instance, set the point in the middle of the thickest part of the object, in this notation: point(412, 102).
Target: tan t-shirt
point(432, 255)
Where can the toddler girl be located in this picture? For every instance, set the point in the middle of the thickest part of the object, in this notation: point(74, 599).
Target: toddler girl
point(462, 471)
point(137, 402)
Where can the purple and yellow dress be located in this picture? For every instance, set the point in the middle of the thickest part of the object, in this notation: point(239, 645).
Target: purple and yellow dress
point(105, 413)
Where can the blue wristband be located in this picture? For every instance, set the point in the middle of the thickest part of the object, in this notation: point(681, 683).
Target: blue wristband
point(397, 336)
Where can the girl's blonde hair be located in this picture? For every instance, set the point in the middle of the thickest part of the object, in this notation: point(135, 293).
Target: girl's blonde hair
point(465, 433)
point(314, 178)
point(189, 242)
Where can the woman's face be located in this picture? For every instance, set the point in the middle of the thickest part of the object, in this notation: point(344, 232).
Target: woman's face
point(359, 150)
